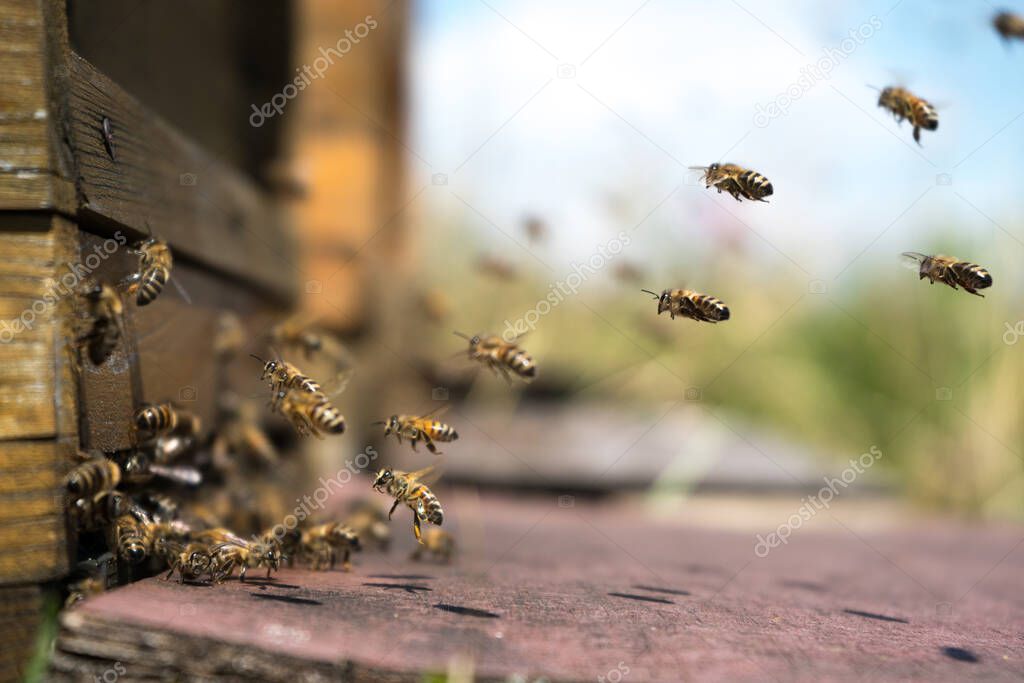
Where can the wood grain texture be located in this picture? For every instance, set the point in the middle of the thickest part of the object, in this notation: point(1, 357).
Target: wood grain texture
point(158, 178)
point(20, 615)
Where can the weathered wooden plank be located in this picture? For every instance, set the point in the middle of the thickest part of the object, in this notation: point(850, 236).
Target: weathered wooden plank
point(20, 618)
point(156, 178)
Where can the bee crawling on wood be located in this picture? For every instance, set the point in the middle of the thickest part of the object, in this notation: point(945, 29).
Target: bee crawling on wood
point(191, 561)
point(370, 524)
point(407, 488)
point(107, 313)
point(155, 264)
point(740, 182)
point(418, 429)
point(504, 358)
point(437, 543)
point(905, 105)
point(949, 270)
point(230, 551)
point(690, 304)
point(134, 538)
point(321, 545)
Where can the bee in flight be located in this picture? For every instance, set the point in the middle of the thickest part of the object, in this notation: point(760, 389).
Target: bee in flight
point(949, 270)
point(106, 310)
point(501, 356)
point(163, 418)
point(740, 182)
point(297, 332)
point(437, 543)
point(407, 488)
point(1009, 25)
point(418, 429)
point(155, 263)
point(310, 413)
point(690, 304)
point(369, 523)
point(282, 375)
point(906, 105)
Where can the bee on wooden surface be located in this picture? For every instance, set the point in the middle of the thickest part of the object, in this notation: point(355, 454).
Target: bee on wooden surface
point(950, 271)
point(134, 538)
point(418, 429)
point(155, 263)
point(407, 488)
point(236, 552)
point(690, 304)
point(322, 544)
point(740, 182)
point(1009, 25)
point(437, 543)
point(370, 524)
point(501, 356)
point(107, 313)
point(163, 418)
point(95, 475)
point(191, 561)
point(496, 267)
point(905, 105)
point(84, 588)
point(310, 413)
point(100, 510)
point(288, 543)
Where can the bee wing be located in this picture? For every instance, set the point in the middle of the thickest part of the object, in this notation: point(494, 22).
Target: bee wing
point(428, 475)
point(438, 411)
point(912, 259)
point(188, 476)
point(181, 290)
point(339, 383)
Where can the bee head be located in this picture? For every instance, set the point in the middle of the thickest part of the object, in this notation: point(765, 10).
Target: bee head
point(199, 561)
point(474, 341)
point(269, 367)
point(135, 554)
point(384, 477)
point(714, 167)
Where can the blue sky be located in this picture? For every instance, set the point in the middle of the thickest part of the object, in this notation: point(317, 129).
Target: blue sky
point(661, 85)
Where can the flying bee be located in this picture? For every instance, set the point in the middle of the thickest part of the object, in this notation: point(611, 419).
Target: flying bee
point(97, 474)
point(191, 561)
point(162, 418)
point(240, 436)
point(310, 413)
point(905, 105)
point(283, 375)
point(134, 538)
point(321, 545)
point(501, 356)
point(535, 228)
point(107, 312)
point(369, 523)
point(496, 268)
point(155, 263)
point(418, 429)
point(437, 543)
point(406, 488)
point(690, 304)
point(297, 332)
point(740, 182)
point(1009, 25)
point(950, 271)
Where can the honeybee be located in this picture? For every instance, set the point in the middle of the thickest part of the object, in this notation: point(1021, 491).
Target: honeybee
point(740, 182)
point(535, 228)
point(434, 305)
point(690, 304)
point(134, 538)
point(191, 561)
point(1009, 25)
point(905, 105)
point(155, 263)
point(163, 418)
point(496, 267)
point(139, 468)
point(369, 523)
point(296, 332)
point(418, 429)
point(283, 375)
point(84, 588)
point(235, 552)
point(321, 545)
point(107, 312)
point(438, 543)
point(310, 413)
point(95, 475)
point(104, 507)
point(239, 435)
point(501, 356)
point(406, 488)
point(288, 543)
point(949, 270)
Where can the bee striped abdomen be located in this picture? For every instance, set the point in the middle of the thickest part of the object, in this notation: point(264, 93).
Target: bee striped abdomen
point(518, 361)
point(92, 477)
point(328, 418)
point(711, 307)
point(428, 507)
point(439, 431)
point(755, 185)
point(133, 539)
point(971, 275)
point(151, 284)
point(157, 419)
point(925, 115)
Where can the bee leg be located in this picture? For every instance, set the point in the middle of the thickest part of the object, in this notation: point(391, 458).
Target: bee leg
point(346, 563)
point(414, 440)
point(917, 134)
point(393, 508)
point(241, 575)
point(431, 447)
point(169, 574)
point(416, 529)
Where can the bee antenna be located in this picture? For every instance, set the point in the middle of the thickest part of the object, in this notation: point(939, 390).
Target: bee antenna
point(257, 358)
point(379, 422)
point(459, 334)
point(873, 87)
point(650, 292)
